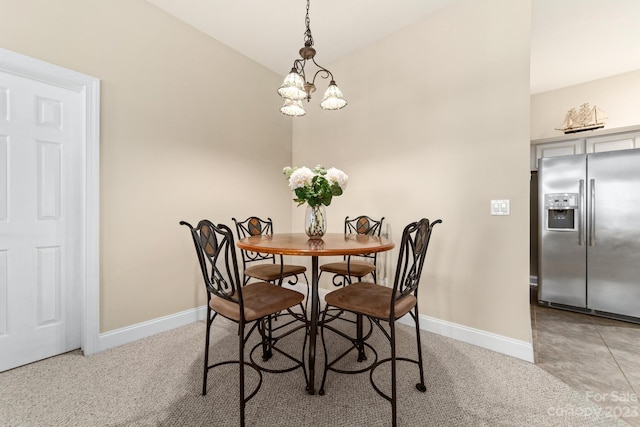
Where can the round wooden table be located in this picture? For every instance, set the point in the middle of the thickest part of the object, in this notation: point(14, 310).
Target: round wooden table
point(299, 244)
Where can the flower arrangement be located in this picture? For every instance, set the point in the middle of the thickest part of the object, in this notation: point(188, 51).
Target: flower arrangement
point(315, 187)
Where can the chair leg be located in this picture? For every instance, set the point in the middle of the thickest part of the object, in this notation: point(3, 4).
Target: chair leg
point(308, 295)
point(394, 399)
point(206, 351)
point(306, 301)
point(359, 344)
point(241, 368)
point(420, 386)
point(326, 355)
point(267, 339)
point(361, 354)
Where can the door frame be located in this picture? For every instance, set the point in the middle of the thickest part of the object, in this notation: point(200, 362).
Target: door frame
point(89, 89)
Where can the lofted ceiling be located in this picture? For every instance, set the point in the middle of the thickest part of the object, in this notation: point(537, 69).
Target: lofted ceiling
point(572, 41)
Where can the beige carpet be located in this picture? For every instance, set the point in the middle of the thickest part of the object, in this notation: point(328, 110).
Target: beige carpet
point(157, 382)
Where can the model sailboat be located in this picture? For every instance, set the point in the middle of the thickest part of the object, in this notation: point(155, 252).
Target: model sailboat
point(584, 118)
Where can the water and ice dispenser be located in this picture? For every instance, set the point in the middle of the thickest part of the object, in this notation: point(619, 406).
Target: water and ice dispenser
point(561, 211)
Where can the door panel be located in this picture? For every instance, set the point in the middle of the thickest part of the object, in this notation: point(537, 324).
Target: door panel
point(562, 260)
point(614, 246)
point(40, 192)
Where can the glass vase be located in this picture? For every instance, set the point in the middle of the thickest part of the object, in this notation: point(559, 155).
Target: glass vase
point(315, 223)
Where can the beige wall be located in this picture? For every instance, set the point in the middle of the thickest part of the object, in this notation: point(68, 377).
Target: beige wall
point(437, 126)
point(189, 129)
point(618, 96)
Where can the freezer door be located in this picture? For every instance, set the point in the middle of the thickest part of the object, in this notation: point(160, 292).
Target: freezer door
point(613, 238)
point(562, 252)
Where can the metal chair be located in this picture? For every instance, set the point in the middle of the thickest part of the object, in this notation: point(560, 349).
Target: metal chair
point(351, 265)
point(252, 304)
point(264, 266)
point(356, 266)
point(381, 305)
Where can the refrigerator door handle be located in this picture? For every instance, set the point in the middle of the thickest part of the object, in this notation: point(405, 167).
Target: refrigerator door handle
point(581, 216)
point(592, 216)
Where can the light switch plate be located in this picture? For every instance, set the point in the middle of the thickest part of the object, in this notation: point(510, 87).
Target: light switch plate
point(501, 207)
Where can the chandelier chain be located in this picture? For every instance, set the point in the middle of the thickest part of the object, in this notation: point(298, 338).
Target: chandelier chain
point(308, 38)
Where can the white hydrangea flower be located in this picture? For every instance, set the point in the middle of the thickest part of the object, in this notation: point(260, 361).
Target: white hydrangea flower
point(336, 175)
point(300, 177)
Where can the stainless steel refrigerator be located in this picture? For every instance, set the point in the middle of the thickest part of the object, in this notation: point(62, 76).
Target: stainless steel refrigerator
point(589, 228)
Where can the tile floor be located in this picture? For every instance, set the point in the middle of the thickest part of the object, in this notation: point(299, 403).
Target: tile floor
point(594, 355)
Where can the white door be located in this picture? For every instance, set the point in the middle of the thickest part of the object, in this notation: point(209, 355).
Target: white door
point(41, 194)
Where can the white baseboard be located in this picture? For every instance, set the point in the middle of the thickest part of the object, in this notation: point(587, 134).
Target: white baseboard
point(138, 331)
point(498, 343)
point(132, 333)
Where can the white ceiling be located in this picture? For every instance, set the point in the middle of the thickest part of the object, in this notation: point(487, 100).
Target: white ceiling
point(572, 41)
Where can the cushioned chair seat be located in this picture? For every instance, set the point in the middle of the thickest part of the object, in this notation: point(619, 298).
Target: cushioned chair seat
point(369, 299)
point(354, 268)
point(260, 299)
point(270, 272)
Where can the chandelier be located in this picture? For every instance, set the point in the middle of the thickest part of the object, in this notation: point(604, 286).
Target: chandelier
point(296, 87)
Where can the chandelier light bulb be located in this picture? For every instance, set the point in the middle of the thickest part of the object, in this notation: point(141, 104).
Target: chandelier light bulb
point(292, 87)
point(293, 108)
point(333, 98)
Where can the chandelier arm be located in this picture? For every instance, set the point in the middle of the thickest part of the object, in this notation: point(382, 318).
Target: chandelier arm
point(298, 65)
point(326, 72)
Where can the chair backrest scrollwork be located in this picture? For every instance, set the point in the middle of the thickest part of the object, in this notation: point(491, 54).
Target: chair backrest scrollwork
point(413, 250)
point(363, 225)
point(366, 226)
point(254, 226)
point(215, 248)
